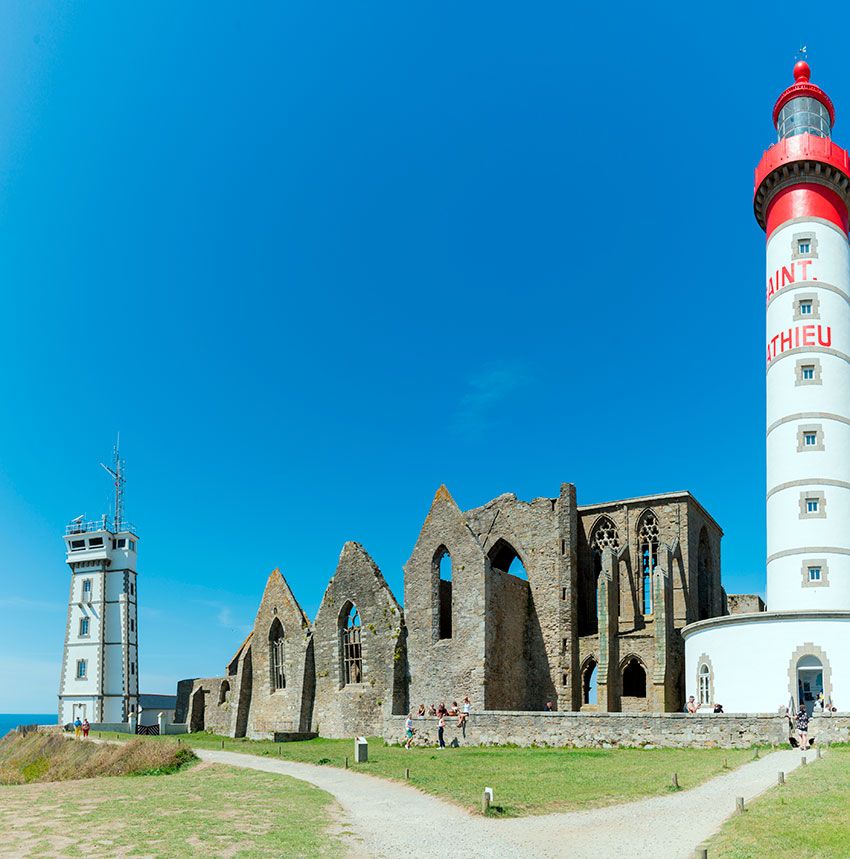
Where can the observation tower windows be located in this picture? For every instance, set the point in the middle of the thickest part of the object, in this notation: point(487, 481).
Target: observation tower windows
point(804, 246)
point(806, 307)
point(78, 545)
point(84, 627)
point(803, 116)
point(82, 669)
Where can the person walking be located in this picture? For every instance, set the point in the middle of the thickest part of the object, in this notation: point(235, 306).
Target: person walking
point(803, 727)
point(78, 726)
point(86, 728)
point(441, 724)
point(408, 731)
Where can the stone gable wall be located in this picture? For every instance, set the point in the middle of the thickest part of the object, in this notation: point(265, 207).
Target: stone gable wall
point(359, 708)
point(278, 710)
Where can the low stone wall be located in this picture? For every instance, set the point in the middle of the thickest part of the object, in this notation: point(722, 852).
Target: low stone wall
point(608, 730)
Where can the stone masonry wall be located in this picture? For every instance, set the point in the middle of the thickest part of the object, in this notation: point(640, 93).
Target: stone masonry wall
point(608, 730)
point(346, 710)
point(278, 710)
point(507, 664)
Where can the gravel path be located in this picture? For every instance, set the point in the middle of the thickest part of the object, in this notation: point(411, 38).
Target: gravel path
point(393, 820)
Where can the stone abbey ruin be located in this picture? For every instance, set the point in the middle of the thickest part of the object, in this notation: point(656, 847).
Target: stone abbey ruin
point(515, 604)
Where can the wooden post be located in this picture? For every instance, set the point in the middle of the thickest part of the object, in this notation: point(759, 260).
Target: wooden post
point(178, 741)
point(675, 781)
point(757, 754)
point(739, 804)
point(781, 779)
point(803, 761)
point(346, 761)
point(817, 753)
point(280, 751)
point(485, 802)
point(701, 853)
point(222, 744)
point(407, 773)
point(726, 763)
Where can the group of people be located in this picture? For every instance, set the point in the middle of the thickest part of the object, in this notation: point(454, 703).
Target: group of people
point(692, 707)
point(442, 713)
point(81, 728)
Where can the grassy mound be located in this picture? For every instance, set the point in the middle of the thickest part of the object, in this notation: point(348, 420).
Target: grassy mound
point(40, 757)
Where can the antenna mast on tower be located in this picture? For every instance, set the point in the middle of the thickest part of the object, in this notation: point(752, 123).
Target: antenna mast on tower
point(117, 472)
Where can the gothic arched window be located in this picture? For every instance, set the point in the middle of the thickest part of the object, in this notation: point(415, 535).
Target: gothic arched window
point(352, 653)
point(648, 549)
point(443, 569)
point(276, 655)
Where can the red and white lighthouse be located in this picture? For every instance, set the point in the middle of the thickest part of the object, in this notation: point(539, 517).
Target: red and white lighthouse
point(799, 649)
point(801, 200)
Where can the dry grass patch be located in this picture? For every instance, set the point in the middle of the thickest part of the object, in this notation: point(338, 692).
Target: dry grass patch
point(41, 757)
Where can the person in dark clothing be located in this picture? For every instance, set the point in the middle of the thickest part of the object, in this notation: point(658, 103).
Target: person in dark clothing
point(803, 727)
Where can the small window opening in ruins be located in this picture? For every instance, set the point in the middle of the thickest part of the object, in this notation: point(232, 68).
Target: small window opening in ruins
point(504, 558)
point(224, 693)
point(564, 679)
point(443, 570)
point(563, 547)
point(704, 684)
point(565, 645)
point(648, 541)
point(563, 593)
point(277, 655)
point(589, 679)
point(634, 679)
point(352, 652)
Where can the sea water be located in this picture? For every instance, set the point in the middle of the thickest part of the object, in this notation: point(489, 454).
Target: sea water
point(10, 721)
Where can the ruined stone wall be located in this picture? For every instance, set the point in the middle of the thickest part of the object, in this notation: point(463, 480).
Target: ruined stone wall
point(608, 730)
point(442, 669)
point(184, 690)
point(508, 669)
point(349, 709)
point(744, 603)
point(206, 710)
point(538, 532)
point(271, 709)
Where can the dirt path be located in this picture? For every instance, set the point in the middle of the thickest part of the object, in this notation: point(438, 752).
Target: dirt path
point(394, 820)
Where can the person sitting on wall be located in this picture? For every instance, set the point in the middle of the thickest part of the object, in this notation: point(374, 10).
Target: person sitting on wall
point(549, 707)
point(441, 711)
point(454, 710)
point(718, 708)
point(421, 711)
point(692, 705)
point(432, 710)
point(463, 714)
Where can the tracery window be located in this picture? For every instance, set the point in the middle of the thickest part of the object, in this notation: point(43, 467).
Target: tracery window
point(277, 654)
point(648, 542)
point(352, 653)
point(605, 536)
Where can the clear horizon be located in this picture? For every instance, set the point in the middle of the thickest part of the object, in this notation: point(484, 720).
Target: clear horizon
point(314, 261)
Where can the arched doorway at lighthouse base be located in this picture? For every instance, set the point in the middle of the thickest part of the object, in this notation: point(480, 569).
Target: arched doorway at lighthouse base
point(809, 675)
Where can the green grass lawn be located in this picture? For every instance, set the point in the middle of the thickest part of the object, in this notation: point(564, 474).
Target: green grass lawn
point(524, 780)
point(808, 817)
point(200, 811)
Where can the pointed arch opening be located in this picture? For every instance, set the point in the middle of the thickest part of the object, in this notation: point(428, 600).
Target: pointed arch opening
point(648, 557)
point(443, 572)
point(277, 656)
point(351, 648)
point(589, 681)
point(604, 535)
point(634, 678)
point(224, 692)
point(505, 558)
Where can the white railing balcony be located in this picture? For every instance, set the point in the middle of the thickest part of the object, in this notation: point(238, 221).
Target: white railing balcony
point(102, 524)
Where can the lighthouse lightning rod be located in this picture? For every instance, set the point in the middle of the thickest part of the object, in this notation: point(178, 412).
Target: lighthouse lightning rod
point(117, 474)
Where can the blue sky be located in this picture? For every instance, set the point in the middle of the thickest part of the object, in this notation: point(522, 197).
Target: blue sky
point(315, 259)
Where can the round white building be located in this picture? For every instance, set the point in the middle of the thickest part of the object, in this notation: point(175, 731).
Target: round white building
point(800, 647)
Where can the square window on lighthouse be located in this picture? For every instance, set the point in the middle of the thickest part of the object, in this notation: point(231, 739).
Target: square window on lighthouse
point(808, 372)
point(812, 505)
point(810, 439)
point(805, 308)
point(814, 574)
point(804, 246)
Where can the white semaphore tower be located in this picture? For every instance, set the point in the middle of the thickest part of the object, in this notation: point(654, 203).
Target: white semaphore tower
point(100, 668)
point(800, 646)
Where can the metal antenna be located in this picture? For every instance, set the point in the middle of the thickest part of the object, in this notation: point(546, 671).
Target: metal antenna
point(117, 472)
